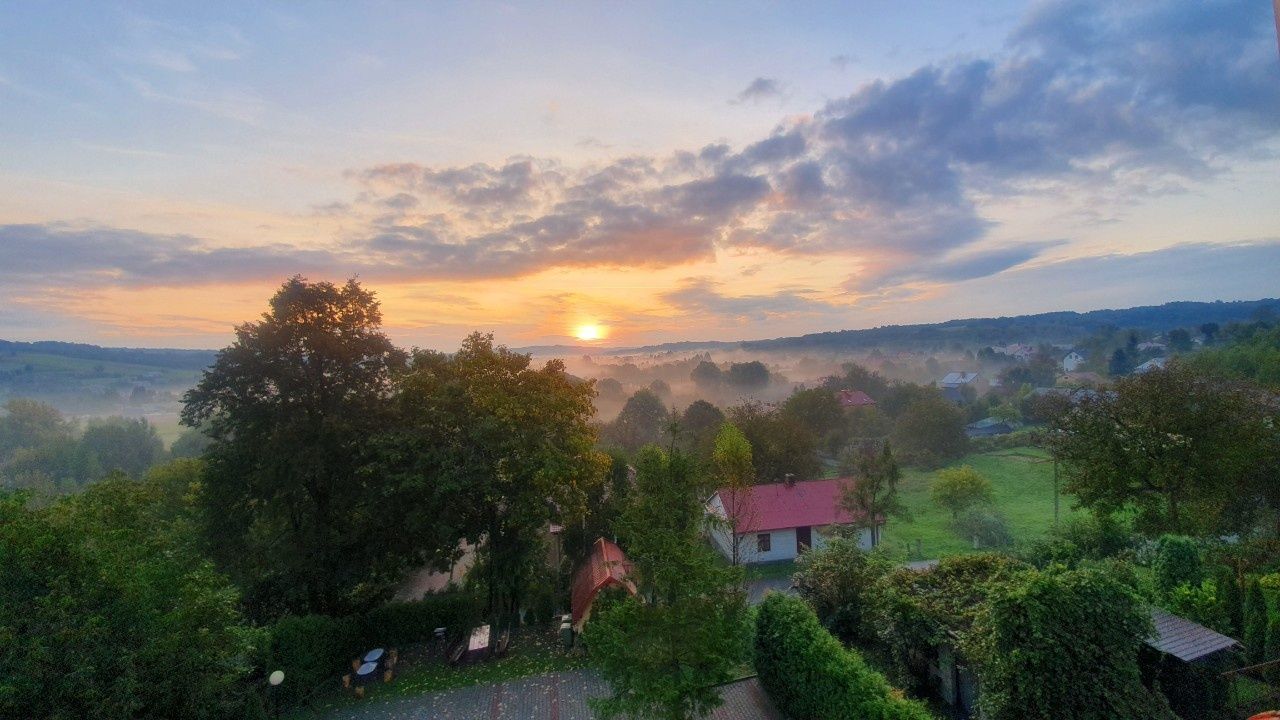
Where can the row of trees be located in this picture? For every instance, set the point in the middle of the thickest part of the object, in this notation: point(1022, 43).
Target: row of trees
point(42, 451)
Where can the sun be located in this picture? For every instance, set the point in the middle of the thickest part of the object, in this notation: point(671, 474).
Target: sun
point(588, 331)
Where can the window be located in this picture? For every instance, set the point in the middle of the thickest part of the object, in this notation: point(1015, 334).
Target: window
point(764, 542)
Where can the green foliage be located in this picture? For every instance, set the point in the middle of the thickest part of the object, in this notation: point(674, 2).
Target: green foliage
point(314, 651)
point(733, 474)
point(1272, 646)
point(1180, 447)
point(808, 674)
point(108, 611)
point(929, 431)
point(1232, 602)
point(642, 421)
point(820, 412)
point(872, 496)
point(1177, 563)
point(707, 375)
point(838, 581)
point(699, 425)
point(959, 488)
point(486, 446)
point(128, 445)
point(292, 407)
point(918, 610)
point(751, 375)
point(780, 444)
point(663, 652)
point(1255, 623)
point(986, 526)
point(1018, 643)
point(1201, 603)
point(1255, 358)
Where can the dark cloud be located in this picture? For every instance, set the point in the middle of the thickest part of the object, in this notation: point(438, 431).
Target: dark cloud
point(760, 89)
point(35, 254)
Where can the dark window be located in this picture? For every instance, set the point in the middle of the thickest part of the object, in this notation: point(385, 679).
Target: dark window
point(764, 542)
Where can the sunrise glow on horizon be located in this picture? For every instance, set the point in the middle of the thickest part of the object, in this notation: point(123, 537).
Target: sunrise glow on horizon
point(620, 176)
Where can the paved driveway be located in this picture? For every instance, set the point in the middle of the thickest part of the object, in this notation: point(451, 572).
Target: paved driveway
point(554, 696)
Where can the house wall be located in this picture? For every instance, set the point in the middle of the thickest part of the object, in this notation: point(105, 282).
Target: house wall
point(782, 543)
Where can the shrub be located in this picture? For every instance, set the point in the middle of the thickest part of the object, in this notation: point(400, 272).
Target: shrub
point(958, 489)
point(405, 623)
point(1199, 603)
point(836, 581)
point(986, 525)
point(312, 650)
point(1020, 635)
point(808, 674)
point(1177, 562)
point(1255, 623)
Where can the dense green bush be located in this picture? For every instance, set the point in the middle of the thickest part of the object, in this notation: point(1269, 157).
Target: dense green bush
point(1255, 623)
point(808, 674)
point(405, 623)
point(986, 525)
point(315, 650)
point(1063, 643)
point(837, 582)
point(1177, 562)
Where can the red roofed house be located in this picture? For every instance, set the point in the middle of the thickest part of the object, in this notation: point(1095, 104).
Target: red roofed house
point(855, 398)
point(779, 521)
point(605, 566)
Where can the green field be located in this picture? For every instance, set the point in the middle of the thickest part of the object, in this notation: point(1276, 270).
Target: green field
point(1022, 482)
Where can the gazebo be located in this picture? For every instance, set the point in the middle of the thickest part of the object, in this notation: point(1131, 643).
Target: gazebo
point(606, 566)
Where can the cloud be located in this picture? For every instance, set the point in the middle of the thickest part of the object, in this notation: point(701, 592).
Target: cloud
point(762, 88)
point(700, 296)
point(893, 179)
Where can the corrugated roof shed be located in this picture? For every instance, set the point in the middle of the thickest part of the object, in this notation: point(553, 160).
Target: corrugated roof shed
point(1186, 640)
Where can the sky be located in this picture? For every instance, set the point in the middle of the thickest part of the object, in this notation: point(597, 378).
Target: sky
point(630, 173)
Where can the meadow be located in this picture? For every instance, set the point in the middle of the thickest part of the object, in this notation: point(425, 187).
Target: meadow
point(1021, 481)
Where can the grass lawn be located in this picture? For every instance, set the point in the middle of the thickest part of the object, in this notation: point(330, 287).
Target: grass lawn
point(1022, 482)
point(534, 651)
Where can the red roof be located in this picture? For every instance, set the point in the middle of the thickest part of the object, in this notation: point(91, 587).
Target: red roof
point(606, 566)
point(855, 398)
point(777, 506)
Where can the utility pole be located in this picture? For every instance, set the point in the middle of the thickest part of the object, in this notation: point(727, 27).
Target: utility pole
point(1055, 478)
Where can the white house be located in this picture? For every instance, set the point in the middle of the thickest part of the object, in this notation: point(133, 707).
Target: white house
point(1072, 361)
point(780, 520)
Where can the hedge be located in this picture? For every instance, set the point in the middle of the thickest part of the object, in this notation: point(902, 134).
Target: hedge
point(313, 650)
point(809, 675)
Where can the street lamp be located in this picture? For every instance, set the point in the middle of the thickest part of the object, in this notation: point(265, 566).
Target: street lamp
point(274, 679)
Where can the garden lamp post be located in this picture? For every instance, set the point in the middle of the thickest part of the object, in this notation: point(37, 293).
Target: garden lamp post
point(273, 680)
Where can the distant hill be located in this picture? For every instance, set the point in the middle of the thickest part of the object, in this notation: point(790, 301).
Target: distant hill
point(155, 357)
point(1052, 327)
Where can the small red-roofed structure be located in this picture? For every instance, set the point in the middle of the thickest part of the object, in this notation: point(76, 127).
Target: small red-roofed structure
point(855, 399)
point(605, 567)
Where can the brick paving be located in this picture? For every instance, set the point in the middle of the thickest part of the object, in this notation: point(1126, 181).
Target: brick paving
point(553, 696)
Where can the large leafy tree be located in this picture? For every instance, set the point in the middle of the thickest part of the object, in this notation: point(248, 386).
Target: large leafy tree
point(1188, 450)
point(872, 495)
point(494, 450)
point(929, 431)
point(108, 609)
point(664, 651)
point(781, 445)
point(130, 445)
point(290, 408)
point(641, 421)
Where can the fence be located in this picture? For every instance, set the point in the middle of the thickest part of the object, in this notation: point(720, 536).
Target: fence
point(1253, 689)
